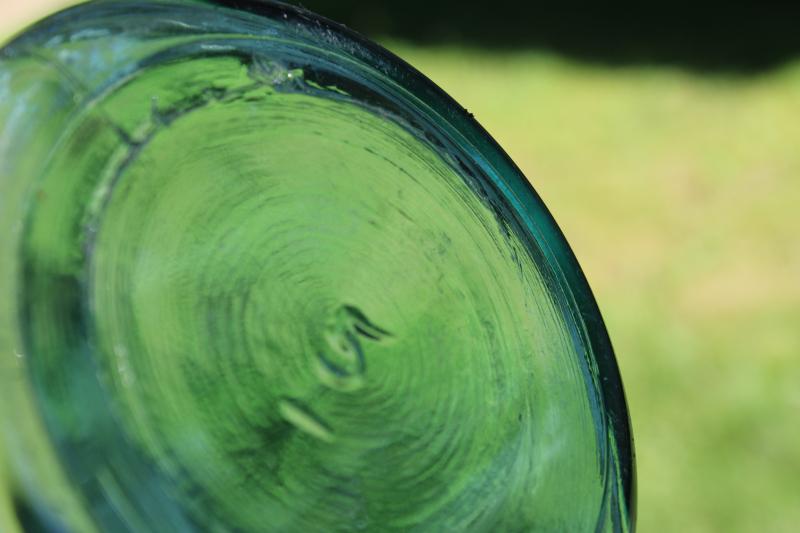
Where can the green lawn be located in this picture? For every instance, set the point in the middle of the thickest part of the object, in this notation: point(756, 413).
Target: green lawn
point(680, 195)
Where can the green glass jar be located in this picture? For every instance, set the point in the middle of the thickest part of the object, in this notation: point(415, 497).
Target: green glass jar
point(258, 274)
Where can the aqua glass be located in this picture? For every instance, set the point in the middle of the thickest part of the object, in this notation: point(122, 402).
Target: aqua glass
point(259, 274)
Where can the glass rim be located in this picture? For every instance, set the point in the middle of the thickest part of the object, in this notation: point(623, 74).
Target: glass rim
point(482, 148)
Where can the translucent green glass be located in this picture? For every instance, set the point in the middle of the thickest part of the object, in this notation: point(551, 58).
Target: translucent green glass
point(258, 274)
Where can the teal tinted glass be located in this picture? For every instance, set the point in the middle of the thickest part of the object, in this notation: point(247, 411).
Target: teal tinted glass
point(261, 275)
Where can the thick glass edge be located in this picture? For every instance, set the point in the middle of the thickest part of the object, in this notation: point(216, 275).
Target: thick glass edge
point(575, 282)
point(503, 168)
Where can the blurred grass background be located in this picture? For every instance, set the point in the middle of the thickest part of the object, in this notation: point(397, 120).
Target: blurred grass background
point(674, 171)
